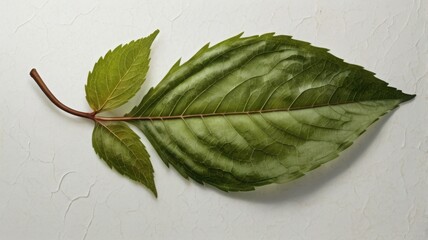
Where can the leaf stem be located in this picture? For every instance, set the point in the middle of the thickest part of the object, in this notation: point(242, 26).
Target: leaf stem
point(93, 116)
point(35, 75)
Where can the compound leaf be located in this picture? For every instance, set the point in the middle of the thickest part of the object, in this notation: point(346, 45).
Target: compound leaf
point(122, 150)
point(118, 76)
point(258, 110)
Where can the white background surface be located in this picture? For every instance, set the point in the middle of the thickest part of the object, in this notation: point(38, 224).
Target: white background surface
point(53, 186)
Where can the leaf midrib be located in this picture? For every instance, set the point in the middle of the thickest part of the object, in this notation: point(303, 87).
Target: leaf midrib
point(203, 115)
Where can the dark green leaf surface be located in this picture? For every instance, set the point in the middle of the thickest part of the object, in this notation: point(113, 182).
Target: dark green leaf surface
point(122, 150)
point(118, 76)
point(258, 110)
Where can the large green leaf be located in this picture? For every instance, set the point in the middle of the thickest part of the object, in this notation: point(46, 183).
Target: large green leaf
point(118, 76)
point(259, 110)
point(122, 149)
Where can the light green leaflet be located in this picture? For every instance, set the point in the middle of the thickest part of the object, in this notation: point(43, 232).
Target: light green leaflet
point(121, 148)
point(246, 112)
point(119, 75)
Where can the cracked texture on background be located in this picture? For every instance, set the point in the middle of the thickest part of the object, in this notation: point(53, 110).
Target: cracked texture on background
point(54, 187)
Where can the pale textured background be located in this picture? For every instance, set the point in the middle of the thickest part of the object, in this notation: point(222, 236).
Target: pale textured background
point(53, 186)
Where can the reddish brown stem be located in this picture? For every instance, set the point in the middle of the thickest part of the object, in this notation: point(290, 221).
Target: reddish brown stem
point(35, 75)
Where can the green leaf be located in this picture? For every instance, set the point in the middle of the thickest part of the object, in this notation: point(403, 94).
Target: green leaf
point(118, 76)
point(122, 149)
point(258, 110)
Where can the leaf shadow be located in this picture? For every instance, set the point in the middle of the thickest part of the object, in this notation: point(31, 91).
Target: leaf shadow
point(315, 180)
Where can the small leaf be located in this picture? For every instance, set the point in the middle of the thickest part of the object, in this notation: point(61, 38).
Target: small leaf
point(118, 76)
point(258, 110)
point(122, 149)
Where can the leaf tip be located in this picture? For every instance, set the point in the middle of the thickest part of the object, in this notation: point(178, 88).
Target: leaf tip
point(154, 34)
point(269, 34)
point(151, 187)
point(154, 191)
point(407, 97)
